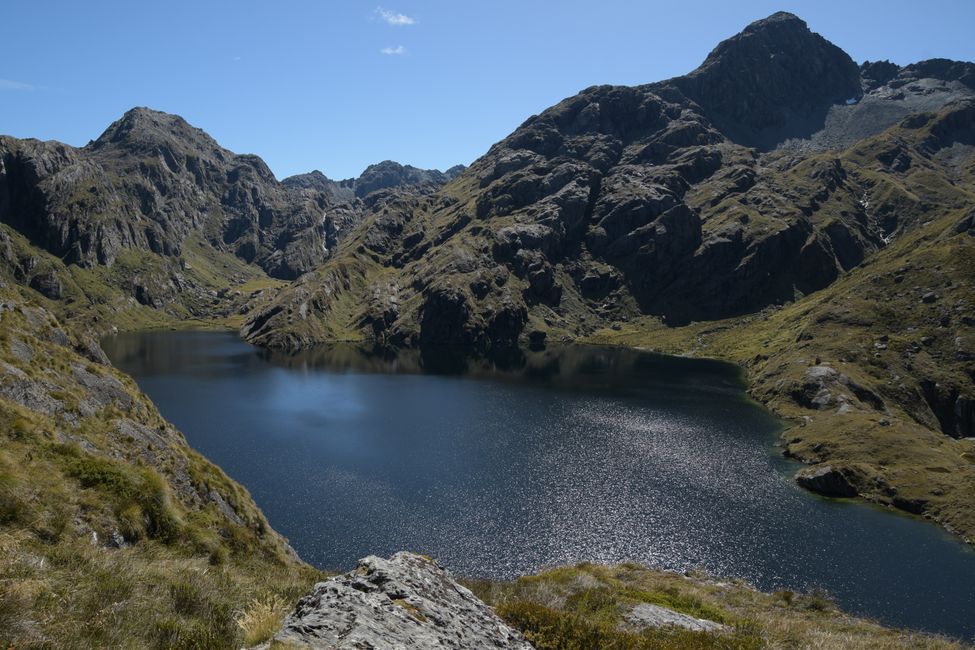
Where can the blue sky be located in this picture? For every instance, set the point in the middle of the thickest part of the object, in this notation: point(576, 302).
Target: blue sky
point(335, 86)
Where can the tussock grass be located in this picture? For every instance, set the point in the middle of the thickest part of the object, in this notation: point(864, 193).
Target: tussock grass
point(582, 607)
point(262, 618)
point(70, 481)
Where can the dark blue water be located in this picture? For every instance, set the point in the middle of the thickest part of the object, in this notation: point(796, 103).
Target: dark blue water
point(502, 468)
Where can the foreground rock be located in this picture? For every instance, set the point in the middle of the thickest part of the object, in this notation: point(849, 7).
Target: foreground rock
point(407, 601)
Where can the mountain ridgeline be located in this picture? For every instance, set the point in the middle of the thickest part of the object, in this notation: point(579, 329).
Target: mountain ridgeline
point(701, 197)
point(151, 183)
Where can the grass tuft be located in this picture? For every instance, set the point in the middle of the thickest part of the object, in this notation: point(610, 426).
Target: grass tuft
point(262, 618)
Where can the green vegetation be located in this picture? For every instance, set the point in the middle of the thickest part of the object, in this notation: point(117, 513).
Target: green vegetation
point(582, 607)
point(203, 288)
point(262, 618)
point(113, 532)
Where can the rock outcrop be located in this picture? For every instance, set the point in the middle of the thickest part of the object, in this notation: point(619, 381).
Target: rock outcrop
point(827, 480)
point(773, 81)
point(390, 174)
point(407, 602)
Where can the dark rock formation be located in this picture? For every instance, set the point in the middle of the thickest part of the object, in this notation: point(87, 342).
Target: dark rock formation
point(773, 81)
point(827, 480)
point(954, 409)
point(338, 191)
point(389, 174)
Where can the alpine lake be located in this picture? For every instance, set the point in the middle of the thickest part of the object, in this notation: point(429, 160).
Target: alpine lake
point(503, 467)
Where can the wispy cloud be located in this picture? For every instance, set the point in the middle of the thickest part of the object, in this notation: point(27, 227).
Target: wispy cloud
point(9, 84)
point(394, 18)
point(399, 49)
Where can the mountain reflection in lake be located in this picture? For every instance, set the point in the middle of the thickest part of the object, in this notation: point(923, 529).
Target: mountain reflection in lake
point(502, 467)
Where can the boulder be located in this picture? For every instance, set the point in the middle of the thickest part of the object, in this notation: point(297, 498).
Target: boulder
point(48, 285)
point(826, 480)
point(408, 602)
point(646, 615)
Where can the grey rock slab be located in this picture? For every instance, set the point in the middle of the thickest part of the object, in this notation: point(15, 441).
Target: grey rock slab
point(406, 602)
point(102, 390)
point(647, 615)
point(21, 350)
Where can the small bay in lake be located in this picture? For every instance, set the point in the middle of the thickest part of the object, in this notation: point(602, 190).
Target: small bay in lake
point(543, 458)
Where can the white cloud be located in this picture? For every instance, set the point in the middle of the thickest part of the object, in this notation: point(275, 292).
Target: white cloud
point(392, 18)
point(399, 49)
point(9, 84)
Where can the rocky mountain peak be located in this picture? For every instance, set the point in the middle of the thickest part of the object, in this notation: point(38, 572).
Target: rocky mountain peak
point(877, 73)
point(389, 174)
point(778, 20)
point(143, 128)
point(455, 171)
point(385, 175)
point(774, 80)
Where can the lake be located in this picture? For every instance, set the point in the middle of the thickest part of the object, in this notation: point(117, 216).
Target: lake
point(503, 467)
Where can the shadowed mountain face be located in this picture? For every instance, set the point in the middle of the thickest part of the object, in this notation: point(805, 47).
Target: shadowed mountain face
point(701, 197)
point(773, 81)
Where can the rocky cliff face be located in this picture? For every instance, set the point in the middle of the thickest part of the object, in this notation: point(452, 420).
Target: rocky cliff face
point(154, 207)
point(147, 183)
point(701, 197)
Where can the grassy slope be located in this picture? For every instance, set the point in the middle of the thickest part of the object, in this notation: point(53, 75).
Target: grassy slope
point(583, 607)
point(84, 456)
point(213, 287)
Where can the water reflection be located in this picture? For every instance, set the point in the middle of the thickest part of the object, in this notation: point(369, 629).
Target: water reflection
point(578, 367)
